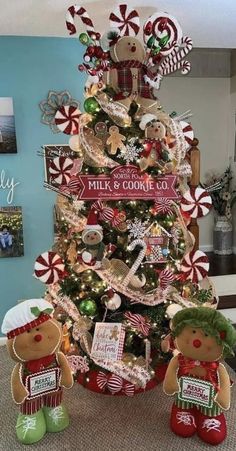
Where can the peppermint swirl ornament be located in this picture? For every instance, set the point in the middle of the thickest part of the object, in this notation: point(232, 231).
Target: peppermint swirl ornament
point(163, 206)
point(163, 31)
point(196, 202)
point(67, 119)
point(49, 268)
point(195, 266)
point(126, 20)
point(60, 170)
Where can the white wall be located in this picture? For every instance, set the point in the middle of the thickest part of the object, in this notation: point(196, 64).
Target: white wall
point(209, 100)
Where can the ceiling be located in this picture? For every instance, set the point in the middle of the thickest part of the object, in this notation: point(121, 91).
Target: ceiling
point(210, 23)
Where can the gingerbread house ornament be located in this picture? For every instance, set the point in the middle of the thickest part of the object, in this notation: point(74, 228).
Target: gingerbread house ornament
point(157, 240)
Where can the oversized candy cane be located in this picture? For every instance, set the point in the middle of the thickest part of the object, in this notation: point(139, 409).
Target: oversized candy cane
point(82, 13)
point(137, 262)
point(173, 61)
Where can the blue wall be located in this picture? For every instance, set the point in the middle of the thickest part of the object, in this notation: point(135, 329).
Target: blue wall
point(30, 67)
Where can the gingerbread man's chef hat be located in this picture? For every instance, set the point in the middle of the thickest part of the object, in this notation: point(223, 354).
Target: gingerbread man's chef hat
point(146, 119)
point(26, 315)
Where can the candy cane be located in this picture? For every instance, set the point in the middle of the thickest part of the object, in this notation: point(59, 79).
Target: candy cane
point(82, 13)
point(185, 67)
point(137, 262)
point(179, 52)
point(176, 56)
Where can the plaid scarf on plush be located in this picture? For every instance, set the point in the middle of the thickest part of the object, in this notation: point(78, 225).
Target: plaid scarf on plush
point(125, 81)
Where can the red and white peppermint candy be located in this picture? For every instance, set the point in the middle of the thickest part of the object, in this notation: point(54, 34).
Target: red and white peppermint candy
point(161, 25)
point(81, 12)
point(195, 266)
point(114, 384)
point(49, 267)
point(166, 277)
point(188, 133)
point(67, 119)
point(60, 169)
point(72, 187)
point(138, 322)
point(105, 213)
point(196, 202)
point(163, 206)
point(126, 19)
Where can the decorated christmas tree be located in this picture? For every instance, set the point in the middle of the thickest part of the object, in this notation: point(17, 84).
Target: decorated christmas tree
point(124, 260)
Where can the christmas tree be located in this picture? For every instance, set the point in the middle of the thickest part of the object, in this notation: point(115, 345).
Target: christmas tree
point(124, 260)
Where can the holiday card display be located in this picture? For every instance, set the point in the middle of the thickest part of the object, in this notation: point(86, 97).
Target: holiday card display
point(108, 341)
point(124, 259)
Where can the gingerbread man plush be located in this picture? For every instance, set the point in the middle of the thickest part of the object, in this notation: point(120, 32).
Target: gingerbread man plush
point(197, 377)
point(127, 76)
point(41, 371)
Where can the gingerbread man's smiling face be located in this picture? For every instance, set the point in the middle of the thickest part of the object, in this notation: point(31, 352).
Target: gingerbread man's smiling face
point(156, 130)
point(37, 342)
point(195, 344)
point(92, 237)
point(127, 48)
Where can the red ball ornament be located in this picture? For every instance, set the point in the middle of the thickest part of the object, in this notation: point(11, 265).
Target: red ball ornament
point(91, 50)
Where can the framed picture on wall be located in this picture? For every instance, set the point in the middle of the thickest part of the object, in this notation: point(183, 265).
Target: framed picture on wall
point(7, 126)
point(50, 152)
point(11, 232)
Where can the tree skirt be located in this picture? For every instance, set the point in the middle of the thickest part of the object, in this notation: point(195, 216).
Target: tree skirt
point(108, 383)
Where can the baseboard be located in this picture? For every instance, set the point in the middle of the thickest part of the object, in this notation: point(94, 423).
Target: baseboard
point(3, 341)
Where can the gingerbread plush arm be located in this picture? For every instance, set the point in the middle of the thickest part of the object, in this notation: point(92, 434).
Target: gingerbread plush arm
point(170, 385)
point(66, 375)
point(223, 396)
point(19, 392)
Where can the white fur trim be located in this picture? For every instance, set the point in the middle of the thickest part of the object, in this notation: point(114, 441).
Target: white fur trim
point(146, 118)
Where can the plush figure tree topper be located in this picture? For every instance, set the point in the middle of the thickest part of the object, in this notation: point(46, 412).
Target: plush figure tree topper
point(197, 377)
point(34, 340)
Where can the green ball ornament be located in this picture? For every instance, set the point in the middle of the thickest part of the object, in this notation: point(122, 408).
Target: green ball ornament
point(84, 39)
point(91, 105)
point(88, 307)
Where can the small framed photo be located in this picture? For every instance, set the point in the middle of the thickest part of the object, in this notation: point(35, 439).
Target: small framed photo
point(7, 126)
point(11, 232)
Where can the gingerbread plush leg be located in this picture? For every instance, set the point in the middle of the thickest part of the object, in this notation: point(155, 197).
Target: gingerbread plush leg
point(212, 430)
point(55, 413)
point(183, 421)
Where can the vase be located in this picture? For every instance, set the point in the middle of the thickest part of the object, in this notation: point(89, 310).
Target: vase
point(223, 236)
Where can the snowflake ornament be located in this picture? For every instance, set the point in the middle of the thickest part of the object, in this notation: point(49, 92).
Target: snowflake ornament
point(130, 152)
point(137, 228)
point(78, 205)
